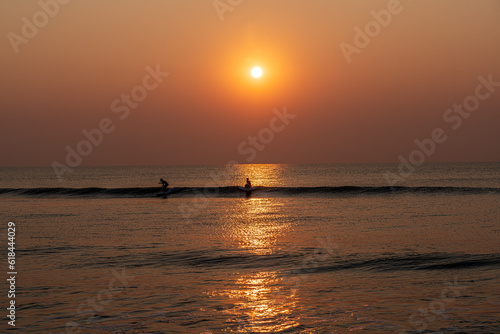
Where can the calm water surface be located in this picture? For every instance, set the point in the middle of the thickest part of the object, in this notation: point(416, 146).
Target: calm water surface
point(290, 260)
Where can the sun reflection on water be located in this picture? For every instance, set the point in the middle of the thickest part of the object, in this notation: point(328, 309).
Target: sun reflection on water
point(259, 224)
point(262, 304)
point(268, 175)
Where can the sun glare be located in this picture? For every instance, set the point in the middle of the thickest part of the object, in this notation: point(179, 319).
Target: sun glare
point(256, 72)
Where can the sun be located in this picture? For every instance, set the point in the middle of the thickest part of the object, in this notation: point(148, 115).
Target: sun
point(257, 72)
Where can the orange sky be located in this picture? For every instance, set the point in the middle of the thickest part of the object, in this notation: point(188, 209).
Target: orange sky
point(64, 77)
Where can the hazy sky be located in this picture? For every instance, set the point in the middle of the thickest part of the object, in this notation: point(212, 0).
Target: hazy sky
point(349, 96)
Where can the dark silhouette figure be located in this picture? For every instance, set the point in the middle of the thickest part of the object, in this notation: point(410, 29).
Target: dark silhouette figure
point(249, 184)
point(164, 184)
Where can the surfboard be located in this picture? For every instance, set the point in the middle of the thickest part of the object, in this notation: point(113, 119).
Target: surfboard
point(247, 189)
point(166, 192)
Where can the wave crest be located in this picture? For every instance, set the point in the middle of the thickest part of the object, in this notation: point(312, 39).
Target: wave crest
point(234, 191)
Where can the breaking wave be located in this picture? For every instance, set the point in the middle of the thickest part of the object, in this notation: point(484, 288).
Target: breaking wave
point(233, 191)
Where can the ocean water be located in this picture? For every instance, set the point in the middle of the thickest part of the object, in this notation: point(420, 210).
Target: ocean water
point(314, 249)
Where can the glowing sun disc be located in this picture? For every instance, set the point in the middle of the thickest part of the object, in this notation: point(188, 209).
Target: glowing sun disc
point(257, 72)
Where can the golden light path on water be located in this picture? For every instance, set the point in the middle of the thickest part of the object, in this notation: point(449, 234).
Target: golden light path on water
point(268, 175)
point(260, 235)
point(263, 306)
point(259, 225)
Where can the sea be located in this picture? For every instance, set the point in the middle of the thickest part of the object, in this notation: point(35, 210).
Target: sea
point(372, 248)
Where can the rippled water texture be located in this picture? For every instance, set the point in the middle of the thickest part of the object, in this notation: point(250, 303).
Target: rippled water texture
point(310, 261)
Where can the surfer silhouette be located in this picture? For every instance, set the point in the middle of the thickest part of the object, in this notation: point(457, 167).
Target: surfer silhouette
point(164, 184)
point(248, 184)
